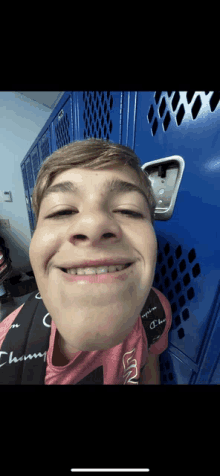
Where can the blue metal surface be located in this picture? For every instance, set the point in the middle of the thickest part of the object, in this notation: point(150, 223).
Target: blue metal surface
point(158, 125)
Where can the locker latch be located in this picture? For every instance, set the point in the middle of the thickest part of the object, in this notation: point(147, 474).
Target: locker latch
point(161, 171)
point(165, 176)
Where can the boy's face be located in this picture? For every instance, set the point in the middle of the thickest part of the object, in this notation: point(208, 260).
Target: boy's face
point(94, 316)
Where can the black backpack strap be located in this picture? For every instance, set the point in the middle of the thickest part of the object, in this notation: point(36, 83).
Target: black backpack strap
point(153, 318)
point(6, 263)
point(23, 351)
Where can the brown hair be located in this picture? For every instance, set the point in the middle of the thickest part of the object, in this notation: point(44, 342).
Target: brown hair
point(90, 153)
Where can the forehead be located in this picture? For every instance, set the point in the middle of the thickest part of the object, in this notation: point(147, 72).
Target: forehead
point(81, 182)
point(94, 176)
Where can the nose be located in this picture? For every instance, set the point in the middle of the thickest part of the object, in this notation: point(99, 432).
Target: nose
point(95, 229)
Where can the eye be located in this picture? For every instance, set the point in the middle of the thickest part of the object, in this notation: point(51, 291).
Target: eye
point(133, 214)
point(126, 212)
point(60, 213)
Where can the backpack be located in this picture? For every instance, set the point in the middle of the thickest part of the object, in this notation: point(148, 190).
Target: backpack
point(23, 353)
point(5, 262)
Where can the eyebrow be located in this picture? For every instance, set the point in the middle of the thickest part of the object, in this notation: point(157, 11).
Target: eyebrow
point(115, 185)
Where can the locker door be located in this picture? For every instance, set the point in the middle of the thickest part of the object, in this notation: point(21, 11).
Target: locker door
point(187, 124)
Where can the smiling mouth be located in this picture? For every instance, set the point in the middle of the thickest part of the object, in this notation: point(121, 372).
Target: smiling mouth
point(117, 271)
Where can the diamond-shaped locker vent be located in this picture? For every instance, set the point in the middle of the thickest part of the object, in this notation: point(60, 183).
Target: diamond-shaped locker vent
point(179, 290)
point(97, 114)
point(44, 146)
point(157, 113)
point(45, 151)
point(62, 130)
point(167, 276)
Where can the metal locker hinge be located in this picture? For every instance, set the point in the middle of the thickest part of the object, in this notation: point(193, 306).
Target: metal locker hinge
point(165, 176)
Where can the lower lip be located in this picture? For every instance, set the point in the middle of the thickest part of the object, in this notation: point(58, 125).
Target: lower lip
point(99, 278)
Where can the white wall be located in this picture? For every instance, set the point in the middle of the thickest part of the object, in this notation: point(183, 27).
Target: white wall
point(21, 120)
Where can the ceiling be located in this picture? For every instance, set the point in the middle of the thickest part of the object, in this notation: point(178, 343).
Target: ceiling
point(47, 98)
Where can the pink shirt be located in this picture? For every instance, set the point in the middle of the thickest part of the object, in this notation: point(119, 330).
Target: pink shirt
point(121, 364)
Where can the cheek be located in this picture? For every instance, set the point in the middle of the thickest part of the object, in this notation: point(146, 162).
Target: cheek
point(36, 251)
point(148, 243)
point(31, 252)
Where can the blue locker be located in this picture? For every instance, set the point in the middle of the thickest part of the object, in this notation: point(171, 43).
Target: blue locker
point(167, 130)
point(187, 272)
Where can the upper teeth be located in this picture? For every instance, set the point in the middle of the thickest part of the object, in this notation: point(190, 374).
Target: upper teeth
point(97, 270)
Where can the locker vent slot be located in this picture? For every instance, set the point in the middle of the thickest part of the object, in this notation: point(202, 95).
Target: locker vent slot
point(96, 115)
point(176, 109)
point(62, 130)
point(45, 150)
point(174, 277)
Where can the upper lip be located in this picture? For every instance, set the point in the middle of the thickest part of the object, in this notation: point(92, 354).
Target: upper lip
point(100, 262)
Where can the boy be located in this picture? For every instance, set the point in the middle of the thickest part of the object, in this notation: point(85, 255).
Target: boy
point(93, 254)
